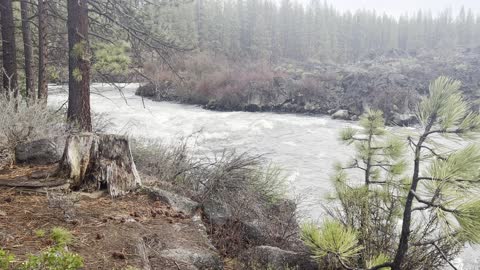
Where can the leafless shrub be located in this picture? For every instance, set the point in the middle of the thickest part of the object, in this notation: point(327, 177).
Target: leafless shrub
point(167, 162)
point(22, 122)
point(101, 122)
point(253, 190)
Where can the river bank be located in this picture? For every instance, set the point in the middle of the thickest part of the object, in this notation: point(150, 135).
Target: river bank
point(240, 210)
point(393, 82)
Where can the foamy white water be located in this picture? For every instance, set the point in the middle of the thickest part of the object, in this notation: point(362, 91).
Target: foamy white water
point(306, 147)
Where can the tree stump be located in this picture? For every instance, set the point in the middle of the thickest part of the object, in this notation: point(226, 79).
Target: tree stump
point(94, 162)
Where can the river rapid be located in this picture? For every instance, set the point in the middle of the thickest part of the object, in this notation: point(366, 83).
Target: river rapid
point(306, 147)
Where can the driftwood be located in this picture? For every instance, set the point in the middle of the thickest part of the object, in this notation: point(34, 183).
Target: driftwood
point(25, 182)
point(35, 178)
point(94, 162)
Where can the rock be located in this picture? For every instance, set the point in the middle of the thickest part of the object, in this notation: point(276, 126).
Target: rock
point(41, 152)
point(202, 230)
point(255, 231)
point(279, 81)
point(404, 119)
point(216, 212)
point(354, 117)
point(211, 105)
point(252, 108)
point(177, 202)
point(6, 159)
point(276, 258)
point(199, 260)
point(147, 90)
point(341, 115)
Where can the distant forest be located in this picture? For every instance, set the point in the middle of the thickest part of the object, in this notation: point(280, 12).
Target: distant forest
point(316, 31)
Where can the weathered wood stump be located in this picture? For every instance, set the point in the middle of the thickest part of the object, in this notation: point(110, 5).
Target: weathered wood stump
point(94, 162)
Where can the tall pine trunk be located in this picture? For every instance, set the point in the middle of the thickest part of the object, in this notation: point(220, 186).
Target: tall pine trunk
point(78, 66)
point(42, 50)
point(199, 13)
point(8, 45)
point(28, 51)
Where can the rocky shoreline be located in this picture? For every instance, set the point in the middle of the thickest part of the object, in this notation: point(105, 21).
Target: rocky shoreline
point(393, 82)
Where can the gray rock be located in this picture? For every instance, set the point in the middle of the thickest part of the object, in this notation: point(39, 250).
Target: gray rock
point(218, 213)
point(252, 108)
point(41, 152)
point(177, 202)
point(354, 118)
point(6, 159)
point(256, 231)
point(404, 119)
point(276, 258)
point(199, 260)
point(341, 115)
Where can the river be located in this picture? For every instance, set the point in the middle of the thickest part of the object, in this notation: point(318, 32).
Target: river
point(306, 147)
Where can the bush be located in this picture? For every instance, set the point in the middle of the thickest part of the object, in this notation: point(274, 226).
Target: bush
point(5, 259)
point(253, 190)
point(61, 236)
point(20, 122)
point(207, 77)
point(170, 163)
point(56, 257)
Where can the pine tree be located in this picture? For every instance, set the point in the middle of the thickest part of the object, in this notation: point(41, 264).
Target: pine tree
point(78, 66)
point(10, 83)
point(444, 180)
point(367, 206)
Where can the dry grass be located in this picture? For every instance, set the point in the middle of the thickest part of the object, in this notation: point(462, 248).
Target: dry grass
point(22, 122)
point(253, 190)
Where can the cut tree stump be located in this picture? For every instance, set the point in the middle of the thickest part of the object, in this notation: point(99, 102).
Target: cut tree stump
point(94, 162)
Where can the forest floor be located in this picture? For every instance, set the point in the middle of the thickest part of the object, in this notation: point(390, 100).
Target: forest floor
point(131, 231)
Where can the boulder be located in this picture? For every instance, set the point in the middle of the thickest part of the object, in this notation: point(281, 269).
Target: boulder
point(279, 82)
point(255, 231)
point(217, 213)
point(193, 259)
point(404, 119)
point(147, 90)
point(341, 115)
point(177, 202)
point(276, 258)
point(41, 152)
point(252, 108)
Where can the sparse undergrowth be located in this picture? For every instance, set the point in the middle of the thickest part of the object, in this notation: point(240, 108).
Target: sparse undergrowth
point(55, 257)
point(250, 194)
point(22, 122)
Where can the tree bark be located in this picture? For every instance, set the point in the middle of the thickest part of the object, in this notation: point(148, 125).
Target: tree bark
point(78, 66)
point(10, 83)
point(94, 162)
point(28, 51)
point(42, 51)
point(407, 213)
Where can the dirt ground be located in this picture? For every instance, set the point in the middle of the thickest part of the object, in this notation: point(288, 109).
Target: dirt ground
point(108, 233)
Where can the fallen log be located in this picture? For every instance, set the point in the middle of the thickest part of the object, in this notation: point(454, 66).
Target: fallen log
point(94, 162)
point(25, 182)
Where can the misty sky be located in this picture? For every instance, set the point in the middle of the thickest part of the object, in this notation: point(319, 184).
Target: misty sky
point(398, 7)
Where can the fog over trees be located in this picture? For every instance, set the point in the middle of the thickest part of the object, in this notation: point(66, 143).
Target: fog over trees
point(315, 30)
